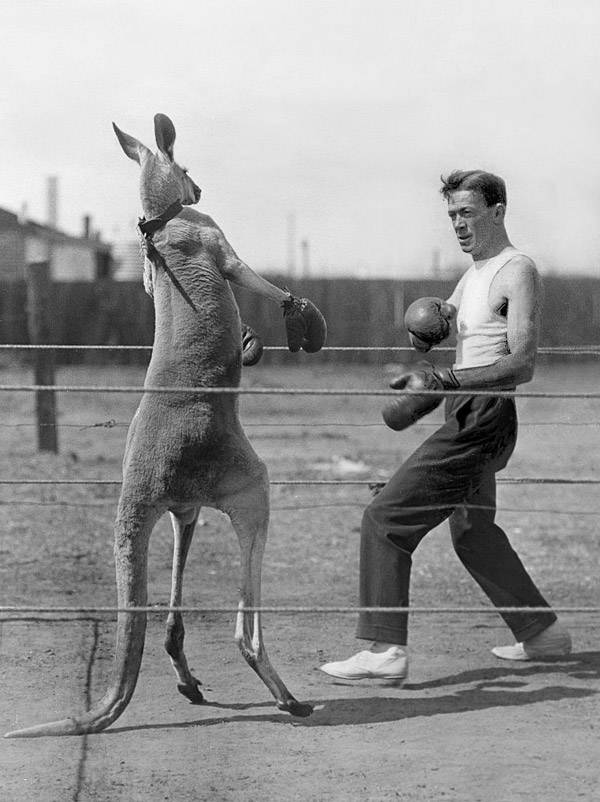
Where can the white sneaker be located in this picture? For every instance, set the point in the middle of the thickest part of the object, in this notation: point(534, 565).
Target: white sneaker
point(554, 641)
point(390, 665)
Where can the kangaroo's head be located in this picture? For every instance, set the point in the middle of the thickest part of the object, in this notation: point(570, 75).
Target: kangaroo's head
point(162, 180)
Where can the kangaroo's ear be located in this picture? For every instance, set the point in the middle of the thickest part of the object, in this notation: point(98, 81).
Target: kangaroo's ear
point(134, 149)
point(164, 131)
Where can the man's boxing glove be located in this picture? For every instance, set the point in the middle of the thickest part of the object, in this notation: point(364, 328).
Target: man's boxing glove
point(427, 321)
point(402, 412)
point(252, 347)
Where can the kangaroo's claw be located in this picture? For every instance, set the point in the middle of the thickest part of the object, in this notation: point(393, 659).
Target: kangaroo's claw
point(296, 708)
point(191, 692)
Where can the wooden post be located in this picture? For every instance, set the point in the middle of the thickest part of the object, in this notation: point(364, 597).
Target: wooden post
point(39, 306)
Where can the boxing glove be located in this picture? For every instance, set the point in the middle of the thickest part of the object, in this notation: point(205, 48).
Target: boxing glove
point(304, 324)
point(252, 347)
point(407, 409)
point(427, 321)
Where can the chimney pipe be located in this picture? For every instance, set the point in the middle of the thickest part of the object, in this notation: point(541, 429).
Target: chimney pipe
point(52, 201)
point(305, 258)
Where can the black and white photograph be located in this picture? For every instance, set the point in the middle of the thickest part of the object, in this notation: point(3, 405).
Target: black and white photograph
point(300, 391)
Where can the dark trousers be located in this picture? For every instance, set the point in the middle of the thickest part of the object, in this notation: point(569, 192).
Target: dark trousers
point(454, 467)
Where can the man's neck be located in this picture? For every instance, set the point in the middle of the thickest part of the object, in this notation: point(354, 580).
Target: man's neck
point(493, 250)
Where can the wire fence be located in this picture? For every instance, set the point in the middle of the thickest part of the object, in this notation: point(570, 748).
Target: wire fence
point(113, 424)
point(293, 391)
point(27, 610)
point(508, 480)
point(572, 350)
point(40, 612)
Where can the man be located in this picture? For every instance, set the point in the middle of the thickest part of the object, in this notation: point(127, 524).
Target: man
point(496, 306)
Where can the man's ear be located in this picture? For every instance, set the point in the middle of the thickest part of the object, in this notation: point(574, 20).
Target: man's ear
point(164, 131)
point(132, 147)
point(499, 212)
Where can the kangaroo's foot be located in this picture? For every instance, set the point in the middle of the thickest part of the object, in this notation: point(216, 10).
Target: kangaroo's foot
point(191, 690)
point(296, 708)
point(260, 663)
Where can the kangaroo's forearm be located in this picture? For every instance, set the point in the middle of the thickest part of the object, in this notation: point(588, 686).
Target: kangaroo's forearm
point(244, 276)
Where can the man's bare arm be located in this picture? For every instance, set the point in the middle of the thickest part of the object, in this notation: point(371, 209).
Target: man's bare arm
point(521, 285)
point(454, 300)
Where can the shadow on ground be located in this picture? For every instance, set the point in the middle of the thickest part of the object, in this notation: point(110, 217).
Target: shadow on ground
point(490, 688)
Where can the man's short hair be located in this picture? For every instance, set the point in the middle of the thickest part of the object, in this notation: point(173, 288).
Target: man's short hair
point(490, 186)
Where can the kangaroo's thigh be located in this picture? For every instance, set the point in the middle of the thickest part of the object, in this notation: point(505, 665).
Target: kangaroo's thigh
point(243, 488)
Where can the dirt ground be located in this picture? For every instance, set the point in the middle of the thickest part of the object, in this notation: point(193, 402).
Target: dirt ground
point(465, 727)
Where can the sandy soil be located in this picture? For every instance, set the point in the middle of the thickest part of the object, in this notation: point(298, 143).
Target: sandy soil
point(465, 727)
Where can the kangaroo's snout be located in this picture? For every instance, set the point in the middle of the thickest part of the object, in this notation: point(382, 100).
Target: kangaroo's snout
point(190, 191)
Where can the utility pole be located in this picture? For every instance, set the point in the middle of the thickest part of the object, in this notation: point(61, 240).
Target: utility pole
point(435, 262)
point(305, 258)
point(291, 244)
point(51, 217)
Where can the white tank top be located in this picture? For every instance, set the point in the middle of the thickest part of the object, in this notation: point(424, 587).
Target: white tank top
point(481, 332)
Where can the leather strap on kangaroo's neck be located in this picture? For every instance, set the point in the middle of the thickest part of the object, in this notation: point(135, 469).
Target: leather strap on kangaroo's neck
point(149, 227)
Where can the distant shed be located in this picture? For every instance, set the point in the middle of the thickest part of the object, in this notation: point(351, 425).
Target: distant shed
point(73, 258)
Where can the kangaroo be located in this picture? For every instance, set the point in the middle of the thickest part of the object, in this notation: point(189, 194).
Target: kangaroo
point(187, 450)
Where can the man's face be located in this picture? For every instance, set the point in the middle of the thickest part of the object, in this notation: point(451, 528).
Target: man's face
point(475, 224)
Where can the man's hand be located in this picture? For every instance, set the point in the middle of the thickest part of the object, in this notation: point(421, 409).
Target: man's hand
point(252, 347)
point(304, 324)
point(402, 412)
point(427, 321)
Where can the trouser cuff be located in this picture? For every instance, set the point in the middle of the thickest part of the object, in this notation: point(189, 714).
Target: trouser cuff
point(534, 627)
point(378, 632)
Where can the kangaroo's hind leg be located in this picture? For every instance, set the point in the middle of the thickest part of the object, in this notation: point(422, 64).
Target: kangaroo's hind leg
point(246, 501)
point(184, 523)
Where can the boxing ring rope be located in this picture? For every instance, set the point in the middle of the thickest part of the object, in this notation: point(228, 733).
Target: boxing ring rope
point(584, 350)
point(517, 480)
point(113, 424)
point(91, 388)
point(27, 612)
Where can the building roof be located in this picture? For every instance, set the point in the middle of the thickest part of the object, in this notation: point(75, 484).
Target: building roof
point(11, 221)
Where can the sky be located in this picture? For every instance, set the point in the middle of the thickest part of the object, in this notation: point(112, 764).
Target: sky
point(327, 122)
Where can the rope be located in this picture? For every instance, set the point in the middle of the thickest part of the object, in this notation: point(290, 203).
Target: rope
point(561, 349)
point(447, 508)
point(88, 388)
point(112, 424)
point(317, 424)
point(161, 609)
point(508, 480)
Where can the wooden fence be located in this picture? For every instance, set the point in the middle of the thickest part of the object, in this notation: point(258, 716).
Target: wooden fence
point(359, 312)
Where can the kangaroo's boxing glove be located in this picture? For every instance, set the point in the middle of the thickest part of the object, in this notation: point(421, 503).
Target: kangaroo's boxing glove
point(252, 347)
point(304, 324)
